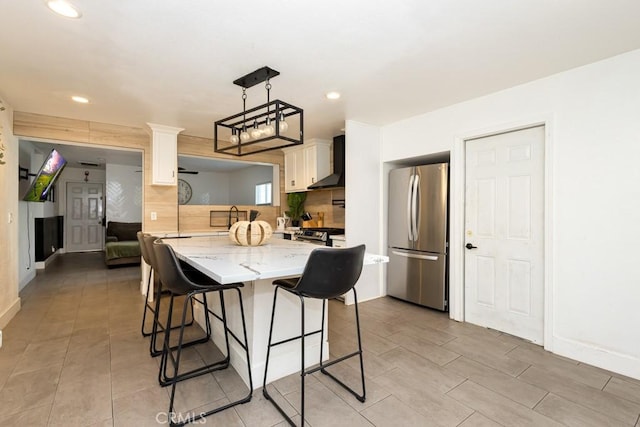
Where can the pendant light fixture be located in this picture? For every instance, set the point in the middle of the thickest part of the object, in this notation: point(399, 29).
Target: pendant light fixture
point(270, 126)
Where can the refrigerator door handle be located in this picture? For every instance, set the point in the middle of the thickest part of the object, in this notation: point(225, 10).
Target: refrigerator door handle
point(417, 256)
point(410, 209)
point(416, 208)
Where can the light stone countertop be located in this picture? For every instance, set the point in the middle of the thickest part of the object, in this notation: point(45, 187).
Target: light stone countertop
point(227, 262)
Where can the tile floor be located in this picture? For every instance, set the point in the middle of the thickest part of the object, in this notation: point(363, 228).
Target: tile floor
point(74, 356)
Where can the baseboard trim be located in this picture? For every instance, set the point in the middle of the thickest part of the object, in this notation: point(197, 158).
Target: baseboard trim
point(26, 279)
point(8, 314)
point(623, 364)
point(41, 265)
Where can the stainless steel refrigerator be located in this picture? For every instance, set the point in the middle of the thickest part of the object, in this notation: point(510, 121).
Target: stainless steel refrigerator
point(418, 237)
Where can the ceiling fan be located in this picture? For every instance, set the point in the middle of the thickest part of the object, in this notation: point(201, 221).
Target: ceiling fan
point(182, 170)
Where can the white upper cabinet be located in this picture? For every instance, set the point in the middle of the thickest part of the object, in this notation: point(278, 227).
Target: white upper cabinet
point(305, 164)
point(164, 153)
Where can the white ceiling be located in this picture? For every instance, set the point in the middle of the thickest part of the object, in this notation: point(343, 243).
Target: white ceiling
point(153, 61)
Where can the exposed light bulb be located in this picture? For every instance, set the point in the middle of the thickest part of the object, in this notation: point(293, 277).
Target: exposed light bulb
point(268, 130)
point(244, 136)
point(234, 137)
point(282, 125)
point(256, 133)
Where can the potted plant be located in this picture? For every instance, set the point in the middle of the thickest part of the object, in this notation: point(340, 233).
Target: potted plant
point(295, 201)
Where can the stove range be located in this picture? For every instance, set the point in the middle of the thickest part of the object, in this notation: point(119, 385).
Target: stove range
point(317, 235)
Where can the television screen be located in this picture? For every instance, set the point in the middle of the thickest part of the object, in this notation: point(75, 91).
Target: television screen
point(46, 178)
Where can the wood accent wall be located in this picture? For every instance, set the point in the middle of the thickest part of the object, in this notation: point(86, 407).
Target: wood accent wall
point(321, 201)
point(195, 218)
point(160, 199)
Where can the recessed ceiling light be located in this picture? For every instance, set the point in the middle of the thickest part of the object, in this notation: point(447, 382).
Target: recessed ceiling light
point(333, 95)
point(64, 8)
point(80, 99)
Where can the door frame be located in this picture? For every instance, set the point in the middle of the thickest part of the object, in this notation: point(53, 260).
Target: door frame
point(457, 212)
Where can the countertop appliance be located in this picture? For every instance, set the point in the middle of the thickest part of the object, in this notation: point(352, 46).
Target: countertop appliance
point(317, 235)
point(418, 235)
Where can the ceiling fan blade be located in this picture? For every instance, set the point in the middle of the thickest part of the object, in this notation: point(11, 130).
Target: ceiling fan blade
point(184, 170)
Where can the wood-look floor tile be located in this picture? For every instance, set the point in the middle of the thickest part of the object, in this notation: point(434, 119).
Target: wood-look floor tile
point(259, 412)
point(425, 333)
point(498, 407)
point(34, 417)
point(623, 388)
point(412, 390)
point(572, 414)
point(324, 408)
point(228, 417)
point(431, 374)
point(351, 377)
point(42, 353)
point(32, 389)
point(146, 407)
point(426, 349)
point(479, 420)
point(497, 381)
point(585, 374)
point(484, 353)
point(82, 402)
point(393, 412)
point(601, 401)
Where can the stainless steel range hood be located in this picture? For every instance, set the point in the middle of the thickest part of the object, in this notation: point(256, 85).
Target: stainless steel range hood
point(336, 179)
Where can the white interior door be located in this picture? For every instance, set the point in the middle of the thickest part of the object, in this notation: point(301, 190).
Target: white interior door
point(504, 220)
point(84, 217)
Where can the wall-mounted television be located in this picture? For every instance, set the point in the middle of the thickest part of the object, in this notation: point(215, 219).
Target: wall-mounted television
point(45, 178)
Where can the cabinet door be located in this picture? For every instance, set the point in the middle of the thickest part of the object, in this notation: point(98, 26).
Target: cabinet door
point(164, 155)
point(316, 161)
point(164, 160)
point(294, 171)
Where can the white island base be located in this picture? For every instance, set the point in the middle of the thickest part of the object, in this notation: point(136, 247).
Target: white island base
point(258, 300)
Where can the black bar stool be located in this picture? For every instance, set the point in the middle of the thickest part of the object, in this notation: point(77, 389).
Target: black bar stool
point(329, 273)
point(146, 248)
point(147, 259)
point(174, 279)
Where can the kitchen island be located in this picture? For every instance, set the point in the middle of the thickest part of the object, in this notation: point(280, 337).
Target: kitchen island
point(257, 267)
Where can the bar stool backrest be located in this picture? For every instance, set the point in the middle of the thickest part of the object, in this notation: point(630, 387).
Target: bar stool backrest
point(147, 243)
point(171, 274)
point(143, 248)
point(330, 272)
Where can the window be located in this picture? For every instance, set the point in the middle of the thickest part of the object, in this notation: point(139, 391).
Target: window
point(263, 193)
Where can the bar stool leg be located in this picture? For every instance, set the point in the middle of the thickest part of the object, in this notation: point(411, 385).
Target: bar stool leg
point(147, 307)
point(302, 369)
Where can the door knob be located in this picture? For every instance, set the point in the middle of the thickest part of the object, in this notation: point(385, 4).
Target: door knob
point(470, 246)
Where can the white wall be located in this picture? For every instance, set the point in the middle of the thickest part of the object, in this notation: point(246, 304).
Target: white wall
point(32, 158)
point(363, 194)
point(9, 300)
point(592, 114)
point(209, 188)
point(123, 192)
point(244, 183)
